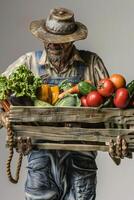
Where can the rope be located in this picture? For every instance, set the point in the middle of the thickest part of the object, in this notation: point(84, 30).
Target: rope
point(11, 152)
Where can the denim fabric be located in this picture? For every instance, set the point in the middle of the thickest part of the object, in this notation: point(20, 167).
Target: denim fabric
point(56, 175)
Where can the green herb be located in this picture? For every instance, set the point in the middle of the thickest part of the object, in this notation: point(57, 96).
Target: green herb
point(22, 82)
point(3, 87)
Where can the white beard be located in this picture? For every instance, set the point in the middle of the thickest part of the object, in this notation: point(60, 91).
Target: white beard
point(59, 57)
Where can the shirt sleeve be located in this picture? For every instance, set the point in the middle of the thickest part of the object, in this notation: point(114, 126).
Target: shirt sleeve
point(100, 71)
point(23, 60)
point(1, 111)
point(95, 68)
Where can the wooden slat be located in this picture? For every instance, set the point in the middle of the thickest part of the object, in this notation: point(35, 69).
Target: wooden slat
point(97, 138)
point(71, 147)
point(72, 134)
point(75, 147)
point(71, 114)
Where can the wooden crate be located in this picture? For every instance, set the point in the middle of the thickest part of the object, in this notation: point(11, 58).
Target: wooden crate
point(72, 128)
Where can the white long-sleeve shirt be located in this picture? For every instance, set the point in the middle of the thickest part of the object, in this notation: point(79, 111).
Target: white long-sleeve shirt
point(94, 69)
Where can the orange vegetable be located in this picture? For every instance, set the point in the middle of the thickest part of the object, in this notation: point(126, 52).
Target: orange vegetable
point(54, 93)
point(88, 81)
point(73, 90)
point(44, 93)
point(118, 80)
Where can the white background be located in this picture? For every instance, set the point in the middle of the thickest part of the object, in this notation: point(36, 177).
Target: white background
point(111, 35)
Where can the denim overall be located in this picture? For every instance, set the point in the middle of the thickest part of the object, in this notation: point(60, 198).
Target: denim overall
point(61, 175)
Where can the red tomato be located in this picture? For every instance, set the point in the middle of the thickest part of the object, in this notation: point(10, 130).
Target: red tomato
point(121, 98)
point(105, 87)
point(84, 101)
point(94, 99)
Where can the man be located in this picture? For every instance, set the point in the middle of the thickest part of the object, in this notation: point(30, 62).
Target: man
point(59, 175)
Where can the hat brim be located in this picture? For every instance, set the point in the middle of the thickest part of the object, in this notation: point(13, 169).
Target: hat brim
point(39, 30)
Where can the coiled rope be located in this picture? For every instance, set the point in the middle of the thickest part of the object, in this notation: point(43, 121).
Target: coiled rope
point(11, 153)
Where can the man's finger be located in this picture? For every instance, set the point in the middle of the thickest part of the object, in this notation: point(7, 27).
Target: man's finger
point(124, 148)
point(119, 146)
point(111, 148)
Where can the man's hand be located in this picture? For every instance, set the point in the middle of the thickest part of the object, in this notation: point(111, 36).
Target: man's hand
point(119, 149)
point(24, 145)
point(4, 119)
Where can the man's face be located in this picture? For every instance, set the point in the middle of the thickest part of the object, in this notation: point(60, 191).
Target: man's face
point(58, 52)
point(57, 48)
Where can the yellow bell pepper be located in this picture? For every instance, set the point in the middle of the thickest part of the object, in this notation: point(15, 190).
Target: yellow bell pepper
point(44, 93)
point(54, 93)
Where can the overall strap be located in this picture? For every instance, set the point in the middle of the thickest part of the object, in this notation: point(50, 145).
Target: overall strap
point(80, 67)
point(41, 68)
point(38, 55)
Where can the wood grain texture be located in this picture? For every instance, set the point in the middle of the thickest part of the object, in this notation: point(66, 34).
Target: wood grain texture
point(76, 147)
point(72, 134)
point(71, 114)
point(47, 124)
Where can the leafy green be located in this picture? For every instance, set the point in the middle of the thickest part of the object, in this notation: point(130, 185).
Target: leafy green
point(65, 85)
point(40, 103)
point(3, 87)
point(69, 100)
point(22, 82)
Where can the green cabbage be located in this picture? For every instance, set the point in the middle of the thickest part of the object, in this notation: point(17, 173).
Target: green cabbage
point(40, 103)
point(69, 100)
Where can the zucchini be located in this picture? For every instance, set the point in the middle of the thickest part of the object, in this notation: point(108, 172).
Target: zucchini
point(130, 88)
point(108, 103)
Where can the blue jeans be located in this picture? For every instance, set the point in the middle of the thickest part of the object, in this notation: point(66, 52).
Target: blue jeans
point(59, 175)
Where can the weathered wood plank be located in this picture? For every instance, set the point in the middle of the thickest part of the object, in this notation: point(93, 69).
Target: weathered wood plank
point(72, 134)
point(71, 147)
point(71, 114)
point(75, 147)
point(124, 120)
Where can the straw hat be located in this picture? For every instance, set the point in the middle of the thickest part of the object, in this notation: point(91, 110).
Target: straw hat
point(59, 27)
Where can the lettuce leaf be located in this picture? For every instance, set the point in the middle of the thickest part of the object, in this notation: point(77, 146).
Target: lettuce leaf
point(22, 82)
point(3, 87)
